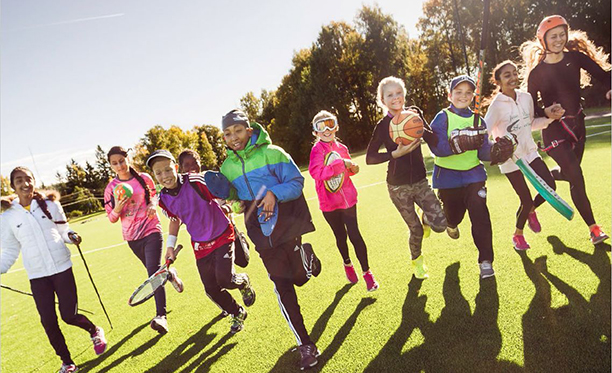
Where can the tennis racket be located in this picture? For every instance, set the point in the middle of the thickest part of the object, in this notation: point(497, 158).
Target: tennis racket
point(145, 291)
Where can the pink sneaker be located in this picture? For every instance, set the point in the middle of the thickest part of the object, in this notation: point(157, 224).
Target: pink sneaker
point(518, 240)
point(99, 341)
point(370, 282)
point(350, 273)
point(533, 223)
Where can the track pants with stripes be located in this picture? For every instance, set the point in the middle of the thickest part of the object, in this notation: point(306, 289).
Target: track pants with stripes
point(44, 290)
point(217, 274)
point(287, 267)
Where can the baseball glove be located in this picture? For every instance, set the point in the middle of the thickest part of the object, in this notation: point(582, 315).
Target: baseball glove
point(503, 149)
point(467, 139)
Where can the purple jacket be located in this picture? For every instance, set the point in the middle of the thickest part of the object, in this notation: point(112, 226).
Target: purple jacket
point(346, 196)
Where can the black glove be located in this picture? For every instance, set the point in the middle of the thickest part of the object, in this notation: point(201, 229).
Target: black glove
point(467, 139)
point(74, 237)
point(503, 149)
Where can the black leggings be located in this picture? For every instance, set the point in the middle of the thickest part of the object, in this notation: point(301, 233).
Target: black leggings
point(569, 159)
point(522, 190)
point(44, 290)
point(149, 250)
point(343, 221)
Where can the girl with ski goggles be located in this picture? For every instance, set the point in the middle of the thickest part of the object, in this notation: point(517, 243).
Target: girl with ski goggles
point(325, 124)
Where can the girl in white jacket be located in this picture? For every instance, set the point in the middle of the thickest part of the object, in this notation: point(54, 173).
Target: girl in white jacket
point(36, 226)
point(511, 111)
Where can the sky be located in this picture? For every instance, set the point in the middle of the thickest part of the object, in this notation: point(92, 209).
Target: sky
point(80, 73)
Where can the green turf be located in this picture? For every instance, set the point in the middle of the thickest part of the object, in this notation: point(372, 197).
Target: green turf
point(546, 310)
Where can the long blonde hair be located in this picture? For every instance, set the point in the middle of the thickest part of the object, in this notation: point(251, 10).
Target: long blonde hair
point(577, 41)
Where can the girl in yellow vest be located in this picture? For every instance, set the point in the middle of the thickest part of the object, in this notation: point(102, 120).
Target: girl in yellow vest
point(458, 173)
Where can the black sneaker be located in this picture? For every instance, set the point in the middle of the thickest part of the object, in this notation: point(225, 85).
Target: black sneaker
point(308, 356)
point(248, 293)
point(238, 321)
point(312, 261)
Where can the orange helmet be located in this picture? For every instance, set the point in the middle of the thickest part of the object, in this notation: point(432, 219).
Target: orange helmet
point(548, 24)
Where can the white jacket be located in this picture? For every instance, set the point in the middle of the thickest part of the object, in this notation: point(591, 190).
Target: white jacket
point(41, 241)
point(506, 115)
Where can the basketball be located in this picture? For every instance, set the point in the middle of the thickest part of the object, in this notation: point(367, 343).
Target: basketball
point(406, 127)
point(123, 190)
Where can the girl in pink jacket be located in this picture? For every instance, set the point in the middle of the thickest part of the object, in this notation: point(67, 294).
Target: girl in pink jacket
point(331, 167)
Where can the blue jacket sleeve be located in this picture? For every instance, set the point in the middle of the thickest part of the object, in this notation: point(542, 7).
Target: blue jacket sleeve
point(439, 126)
point(484, 153)
point(291, 181)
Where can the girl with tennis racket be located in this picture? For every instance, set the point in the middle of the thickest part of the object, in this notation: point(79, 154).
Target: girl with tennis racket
point(139, 223)
point(185, 198)
point(36, 225)
point(337, 194)
point(556, 63)
point(406, 175)
point(511, 112)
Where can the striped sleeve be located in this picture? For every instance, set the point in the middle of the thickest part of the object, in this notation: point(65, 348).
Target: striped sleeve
point(197, 180)
point(165, 211)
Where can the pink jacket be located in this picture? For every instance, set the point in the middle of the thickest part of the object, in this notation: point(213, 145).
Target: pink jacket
point(346, 196)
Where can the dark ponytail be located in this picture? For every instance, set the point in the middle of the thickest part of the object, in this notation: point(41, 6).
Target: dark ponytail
point(142, 184)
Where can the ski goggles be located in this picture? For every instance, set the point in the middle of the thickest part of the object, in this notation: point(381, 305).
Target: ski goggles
point(325, 124)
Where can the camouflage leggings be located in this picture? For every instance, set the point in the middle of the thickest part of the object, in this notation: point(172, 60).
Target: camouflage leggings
point(404, 197)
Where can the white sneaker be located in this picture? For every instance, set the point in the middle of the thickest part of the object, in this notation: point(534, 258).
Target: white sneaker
point(160, 324)
point(175, 280)
point(486, 269)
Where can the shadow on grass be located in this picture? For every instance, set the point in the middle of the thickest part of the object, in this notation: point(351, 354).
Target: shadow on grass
point(189, 349)
point(458, 341)
point(289, 361)
point(575, 336)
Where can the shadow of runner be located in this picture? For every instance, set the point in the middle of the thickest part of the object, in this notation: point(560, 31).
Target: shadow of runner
point(457, 342)
point(188, 349)
point(289, 361)
point(202, 363)
point(343, 332)
point(413, 317)
point(113, 347)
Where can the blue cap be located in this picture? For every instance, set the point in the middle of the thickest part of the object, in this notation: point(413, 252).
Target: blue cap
point(460, 79)
point(162, 153)
point(218, 185)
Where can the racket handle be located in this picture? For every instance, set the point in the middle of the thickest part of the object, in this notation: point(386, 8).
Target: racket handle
point(176, 251)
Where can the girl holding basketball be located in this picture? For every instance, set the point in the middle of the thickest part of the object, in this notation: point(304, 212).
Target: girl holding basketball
point(331, 167)
point(511, 111)
point(35, 225)
point(406, 176)
point(139, 222)
point(556, 63)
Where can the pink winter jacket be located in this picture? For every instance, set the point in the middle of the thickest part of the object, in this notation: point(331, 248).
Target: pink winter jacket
point(346, 196)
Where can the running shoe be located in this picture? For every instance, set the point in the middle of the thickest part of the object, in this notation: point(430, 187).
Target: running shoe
point(533, 223)
point(486, 269)
point(519, 243)
point(371, 283)
point(420, 269)
point(351, 276)
point(99, 342)
point(597, 235)
point(308, 356)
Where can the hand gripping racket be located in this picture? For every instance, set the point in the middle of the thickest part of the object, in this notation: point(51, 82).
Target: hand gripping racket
point(145, 291)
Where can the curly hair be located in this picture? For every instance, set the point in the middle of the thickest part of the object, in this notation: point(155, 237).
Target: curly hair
point(578, 41)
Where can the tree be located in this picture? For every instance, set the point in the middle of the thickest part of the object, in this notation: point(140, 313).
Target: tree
point(5, 186)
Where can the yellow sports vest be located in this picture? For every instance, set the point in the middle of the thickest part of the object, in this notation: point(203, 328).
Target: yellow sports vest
point(464, 161)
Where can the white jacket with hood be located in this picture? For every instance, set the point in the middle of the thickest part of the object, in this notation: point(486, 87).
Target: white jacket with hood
point(41, 241)
point(506, 115)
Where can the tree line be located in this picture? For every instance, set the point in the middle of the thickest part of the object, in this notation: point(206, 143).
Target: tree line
point(340, 71)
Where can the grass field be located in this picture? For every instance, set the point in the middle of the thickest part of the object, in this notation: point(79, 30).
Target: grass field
point(546, 310)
